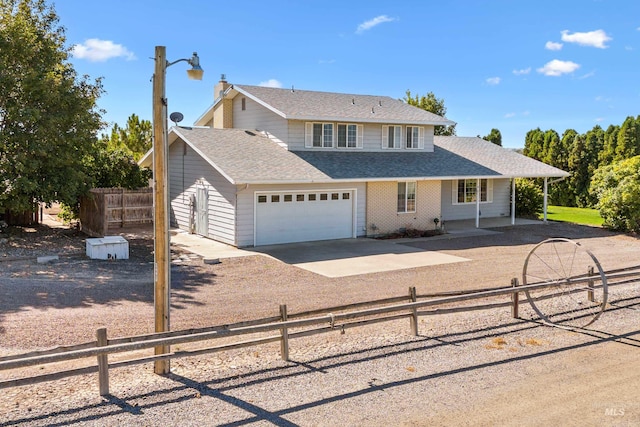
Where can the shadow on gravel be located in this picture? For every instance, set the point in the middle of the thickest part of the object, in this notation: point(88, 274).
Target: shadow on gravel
point(75, 281)
point(220, 389)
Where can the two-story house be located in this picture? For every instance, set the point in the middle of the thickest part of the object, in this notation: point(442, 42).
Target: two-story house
point(267, 165)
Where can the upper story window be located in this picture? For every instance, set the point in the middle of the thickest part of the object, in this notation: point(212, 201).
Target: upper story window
point(319, 135)
point(414, 137)
point(466, 191)
point(350, 135)
point(391, 136)
point(329, 135)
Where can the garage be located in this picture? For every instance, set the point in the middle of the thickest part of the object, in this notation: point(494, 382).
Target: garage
point(300, 216)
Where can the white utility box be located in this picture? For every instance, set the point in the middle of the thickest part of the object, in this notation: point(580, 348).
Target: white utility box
point(108, 247)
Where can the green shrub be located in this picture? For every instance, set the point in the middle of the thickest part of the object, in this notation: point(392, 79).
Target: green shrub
point(529, 198)
point(617, 189)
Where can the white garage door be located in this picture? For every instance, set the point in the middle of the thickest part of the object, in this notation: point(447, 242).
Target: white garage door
point(287, 217)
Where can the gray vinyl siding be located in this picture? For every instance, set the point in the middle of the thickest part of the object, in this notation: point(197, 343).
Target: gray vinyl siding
point(372, 140)
point(188, 171)
point(500, 206)
point(246, 205)
point(257, 117)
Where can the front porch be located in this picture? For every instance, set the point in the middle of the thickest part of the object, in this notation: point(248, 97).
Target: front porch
point(469, 225)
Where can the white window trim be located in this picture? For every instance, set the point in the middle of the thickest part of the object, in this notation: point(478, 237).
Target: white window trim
point(420, 144)
point(359, 136)
point(397, 142)
point(454, 191)
point(308, 135)
point(406, 197)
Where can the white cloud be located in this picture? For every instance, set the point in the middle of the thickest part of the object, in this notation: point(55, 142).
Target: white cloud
point(367, 25)
point(558, 68)
point(513, 114)
point(628, 48)
point(96, 50)
point(586, 76)
point(492, 81)
point(599, 119)
point(271, 83)
point(553, 46)
point(596, 38)
point(522, 71)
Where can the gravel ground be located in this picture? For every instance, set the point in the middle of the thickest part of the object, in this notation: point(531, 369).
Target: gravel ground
point(476, 368)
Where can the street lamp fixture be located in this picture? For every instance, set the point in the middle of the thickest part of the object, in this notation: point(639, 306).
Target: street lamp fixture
point(162, 252)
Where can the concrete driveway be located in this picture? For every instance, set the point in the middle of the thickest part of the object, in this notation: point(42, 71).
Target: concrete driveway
point(350, 257)
point(330, 258)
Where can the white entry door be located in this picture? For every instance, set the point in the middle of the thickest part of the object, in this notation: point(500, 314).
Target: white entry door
point(302, 216)
point(202, 211)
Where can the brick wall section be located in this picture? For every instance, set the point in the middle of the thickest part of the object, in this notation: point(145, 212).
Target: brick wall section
point(382, 207)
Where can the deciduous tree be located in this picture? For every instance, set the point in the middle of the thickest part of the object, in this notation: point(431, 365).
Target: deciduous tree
point(434, 105)
point(48, 114)
point(494, 136)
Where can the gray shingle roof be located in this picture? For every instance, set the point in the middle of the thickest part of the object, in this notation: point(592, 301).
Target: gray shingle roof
point(245, 157)
point(503, 161)
point(327, 106)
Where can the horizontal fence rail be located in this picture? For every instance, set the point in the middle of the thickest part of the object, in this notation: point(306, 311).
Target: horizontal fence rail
point(311, 322)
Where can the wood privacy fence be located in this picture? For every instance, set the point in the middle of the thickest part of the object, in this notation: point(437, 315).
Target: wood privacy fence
point(283, 327)
point(105, 210)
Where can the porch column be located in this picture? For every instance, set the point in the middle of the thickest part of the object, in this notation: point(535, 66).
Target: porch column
point(478, 203)
point(513, 201)
point(544, 208)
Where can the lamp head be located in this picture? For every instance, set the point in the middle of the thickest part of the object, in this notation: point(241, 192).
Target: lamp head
point(196, 71)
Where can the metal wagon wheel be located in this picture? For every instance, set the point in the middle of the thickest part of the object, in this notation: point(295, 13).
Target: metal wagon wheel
point(576, 287)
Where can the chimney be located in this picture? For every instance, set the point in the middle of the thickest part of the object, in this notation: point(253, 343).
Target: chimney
point(220, 87)
point(223, 110)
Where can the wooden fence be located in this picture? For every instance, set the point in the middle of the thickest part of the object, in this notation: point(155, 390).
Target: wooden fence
point(286, 326)
point(108, 209)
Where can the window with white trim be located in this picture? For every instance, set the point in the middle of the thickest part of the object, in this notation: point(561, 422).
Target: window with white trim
point(319, 135)
point(465, 191)
point(415, 138)
point(406, 197)
point(391, 136)
point(349, 135)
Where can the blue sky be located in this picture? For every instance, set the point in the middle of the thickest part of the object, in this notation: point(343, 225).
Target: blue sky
point(511, 65)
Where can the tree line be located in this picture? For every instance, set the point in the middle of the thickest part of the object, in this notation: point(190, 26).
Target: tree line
point(582, 155)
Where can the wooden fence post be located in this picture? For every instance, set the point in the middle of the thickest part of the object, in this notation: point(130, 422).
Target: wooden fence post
point(590, 285)
point(124, 208)
point(515, 296)
point(284, 343)
point(103, 362)
point(414, 311)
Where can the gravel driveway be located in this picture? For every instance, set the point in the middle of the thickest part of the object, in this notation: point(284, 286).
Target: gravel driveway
point(477, 368)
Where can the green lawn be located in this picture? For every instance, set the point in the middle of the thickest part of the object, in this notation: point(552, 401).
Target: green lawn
point(583, 216)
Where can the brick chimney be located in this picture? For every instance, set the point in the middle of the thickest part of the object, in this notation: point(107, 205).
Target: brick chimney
point(223, 112)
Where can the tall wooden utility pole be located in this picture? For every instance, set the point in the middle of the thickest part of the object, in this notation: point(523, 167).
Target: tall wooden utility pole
point(162, 254)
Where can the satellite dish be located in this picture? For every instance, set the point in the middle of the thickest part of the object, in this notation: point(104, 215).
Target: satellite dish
point(176, 117)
